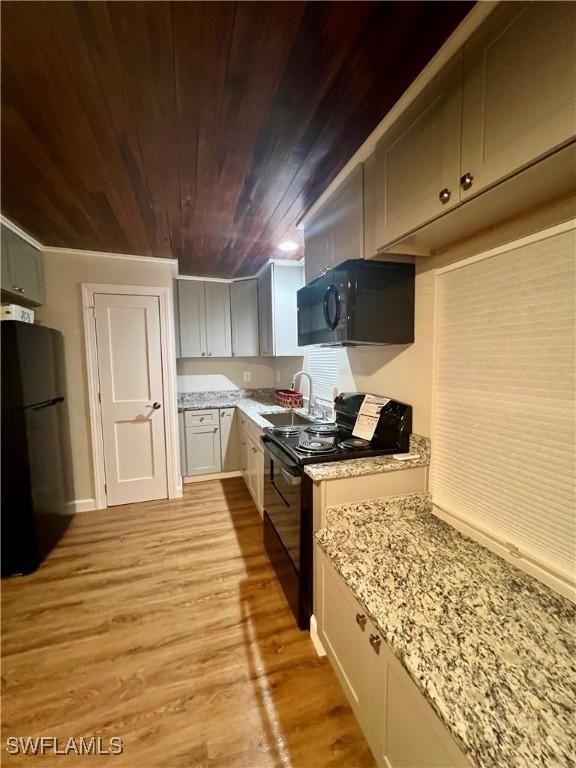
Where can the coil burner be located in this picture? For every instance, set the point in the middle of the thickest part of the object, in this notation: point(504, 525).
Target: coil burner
point(354, 444)
point(288, 430)
point(316, 446)
point(322, 429)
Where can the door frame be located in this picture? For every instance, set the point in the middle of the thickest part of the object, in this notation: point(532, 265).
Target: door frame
point(169, 379)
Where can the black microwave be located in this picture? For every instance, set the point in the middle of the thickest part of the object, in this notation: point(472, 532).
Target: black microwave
point(358, 302)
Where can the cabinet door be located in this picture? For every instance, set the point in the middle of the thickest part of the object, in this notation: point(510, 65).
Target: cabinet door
point(202, 450)
point(182, 436)
point(287, 280)
point(519, 86)
point(218, 325)
point(318, 251)
point(244, 310)
point(417, 161)
point(413, 734)
point(229, 441)
point(345, 633)
point(348, 219)
point(22, 270)
point(192, 312)
point(265, 312)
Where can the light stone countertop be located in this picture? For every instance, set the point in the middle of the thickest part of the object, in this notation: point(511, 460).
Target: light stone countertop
point(336, 470)
point(491, 648)
point(252, 402)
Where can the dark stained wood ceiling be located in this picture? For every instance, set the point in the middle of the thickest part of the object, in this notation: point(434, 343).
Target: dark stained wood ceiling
point(200, 131)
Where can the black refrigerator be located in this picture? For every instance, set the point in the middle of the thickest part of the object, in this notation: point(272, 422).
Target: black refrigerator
point(35, 445)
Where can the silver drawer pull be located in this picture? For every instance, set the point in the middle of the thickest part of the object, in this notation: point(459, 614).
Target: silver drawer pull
point(361, 621)
point(18, 289)
point(375, 642)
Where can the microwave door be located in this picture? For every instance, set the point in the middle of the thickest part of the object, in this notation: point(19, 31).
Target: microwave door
point(319, 312)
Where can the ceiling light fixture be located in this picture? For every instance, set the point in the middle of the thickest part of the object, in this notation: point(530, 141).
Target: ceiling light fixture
point(288, 246)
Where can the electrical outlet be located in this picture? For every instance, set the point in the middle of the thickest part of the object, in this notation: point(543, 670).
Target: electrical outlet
point(247, 376)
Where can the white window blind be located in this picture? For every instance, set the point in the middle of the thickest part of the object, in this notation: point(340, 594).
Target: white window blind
point(322, 364)
point(504, 433)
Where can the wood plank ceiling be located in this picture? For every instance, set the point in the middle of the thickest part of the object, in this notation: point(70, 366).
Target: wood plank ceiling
point(196, 130)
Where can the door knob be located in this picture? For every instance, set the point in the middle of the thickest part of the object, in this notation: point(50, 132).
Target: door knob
point(466, 181)
point(156, 406)
point(444, 196)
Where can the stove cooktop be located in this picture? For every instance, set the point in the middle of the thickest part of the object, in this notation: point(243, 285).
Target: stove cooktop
point(319, 443)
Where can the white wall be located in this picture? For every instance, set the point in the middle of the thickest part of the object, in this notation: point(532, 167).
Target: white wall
point(64, 274)
point(223, 373)
point(405, 372)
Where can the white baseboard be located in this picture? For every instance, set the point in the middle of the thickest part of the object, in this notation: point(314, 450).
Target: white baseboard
point(80, 505)
point(213, 476)
point(316, 642)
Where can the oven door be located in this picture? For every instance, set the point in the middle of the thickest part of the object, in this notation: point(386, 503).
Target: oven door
point(282, 498)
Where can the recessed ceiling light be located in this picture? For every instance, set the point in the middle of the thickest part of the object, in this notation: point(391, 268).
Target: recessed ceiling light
point(288, 246)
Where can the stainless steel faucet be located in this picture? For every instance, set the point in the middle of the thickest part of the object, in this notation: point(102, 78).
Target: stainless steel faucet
point(310, 395)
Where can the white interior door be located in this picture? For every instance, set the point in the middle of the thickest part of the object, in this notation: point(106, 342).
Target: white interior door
point(131, 396)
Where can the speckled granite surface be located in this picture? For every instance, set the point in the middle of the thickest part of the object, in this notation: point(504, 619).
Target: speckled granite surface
point(253, 402)
point(336, 470)
point(492, 649)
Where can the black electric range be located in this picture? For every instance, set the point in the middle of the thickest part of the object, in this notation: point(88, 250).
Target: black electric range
point(288, 490)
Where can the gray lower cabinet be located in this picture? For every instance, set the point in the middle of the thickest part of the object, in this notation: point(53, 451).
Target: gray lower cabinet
point(202, 440)
point(22, 270)
point(244, 312)
point(229, 440)
point(399, 724)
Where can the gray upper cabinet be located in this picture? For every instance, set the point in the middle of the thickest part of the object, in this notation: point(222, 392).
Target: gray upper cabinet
point(22, 270)
point(218, 324)
point(278, 316)
point(336, 232)
point(192, 311)
point(519, 90)
point(503, 106)
point(204, 319)
point(417, 162)
point(244, 312)
point(265, 318)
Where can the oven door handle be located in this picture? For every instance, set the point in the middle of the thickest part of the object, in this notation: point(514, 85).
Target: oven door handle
point(289, 478)
point(286, 464)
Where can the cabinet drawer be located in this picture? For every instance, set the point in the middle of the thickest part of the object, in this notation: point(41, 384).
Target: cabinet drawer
point(201, 418)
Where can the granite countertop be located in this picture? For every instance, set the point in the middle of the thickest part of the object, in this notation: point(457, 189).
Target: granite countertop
point(336, 470)
point(252, 402)
point(491, 648)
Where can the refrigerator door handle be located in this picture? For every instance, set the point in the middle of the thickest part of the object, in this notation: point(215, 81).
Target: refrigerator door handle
point(47, 404)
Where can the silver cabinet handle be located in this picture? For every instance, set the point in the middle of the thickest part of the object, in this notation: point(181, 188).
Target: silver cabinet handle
point(361, 621)
point(466, 181)
point(444, 195)
point(253, 449)
point(18, 289)
point(375, 642)
point(156, 406)
point(215, 429)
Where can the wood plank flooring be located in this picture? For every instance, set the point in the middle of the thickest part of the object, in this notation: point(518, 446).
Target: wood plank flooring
point(163, 624)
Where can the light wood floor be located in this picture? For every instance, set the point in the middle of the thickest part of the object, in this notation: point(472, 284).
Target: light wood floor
point(162, 624)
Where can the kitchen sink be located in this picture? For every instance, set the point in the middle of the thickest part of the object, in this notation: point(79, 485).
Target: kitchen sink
point(282, 419)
